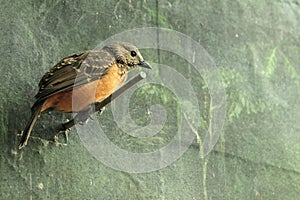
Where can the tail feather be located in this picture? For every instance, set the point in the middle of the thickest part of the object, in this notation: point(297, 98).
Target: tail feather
point(36, 109)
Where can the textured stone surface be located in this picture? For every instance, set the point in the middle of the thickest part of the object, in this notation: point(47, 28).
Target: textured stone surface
point(255, 44)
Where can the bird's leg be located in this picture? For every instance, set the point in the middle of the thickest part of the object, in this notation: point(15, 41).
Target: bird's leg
point(101, 110)
point(81, 118)
point(99, 106)
point(56, 141)
point(65, 132)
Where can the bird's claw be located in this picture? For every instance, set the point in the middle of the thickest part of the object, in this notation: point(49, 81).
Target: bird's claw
point(65, 133)
point(101, 110)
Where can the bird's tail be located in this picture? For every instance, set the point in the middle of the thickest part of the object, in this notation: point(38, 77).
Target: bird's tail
point(36, 109)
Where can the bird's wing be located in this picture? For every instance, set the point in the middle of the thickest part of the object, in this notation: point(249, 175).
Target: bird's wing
point(74, 71)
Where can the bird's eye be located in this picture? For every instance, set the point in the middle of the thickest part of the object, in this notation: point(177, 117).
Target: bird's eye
point(133, 53)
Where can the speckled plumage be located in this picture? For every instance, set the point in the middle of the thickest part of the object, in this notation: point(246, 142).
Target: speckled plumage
point(79, 80)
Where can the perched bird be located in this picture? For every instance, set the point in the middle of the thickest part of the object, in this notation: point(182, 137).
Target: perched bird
point(80, 80)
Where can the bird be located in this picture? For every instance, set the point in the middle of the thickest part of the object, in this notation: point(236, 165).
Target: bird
point(79, 80)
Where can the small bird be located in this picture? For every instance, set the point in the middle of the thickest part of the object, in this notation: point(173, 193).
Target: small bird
point(80, 80)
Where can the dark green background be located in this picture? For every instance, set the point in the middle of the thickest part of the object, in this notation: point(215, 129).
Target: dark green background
point(255, 45)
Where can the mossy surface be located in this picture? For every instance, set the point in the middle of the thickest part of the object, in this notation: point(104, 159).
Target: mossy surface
point(256, 47)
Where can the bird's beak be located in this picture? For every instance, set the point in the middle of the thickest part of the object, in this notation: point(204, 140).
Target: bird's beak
point(145, 65)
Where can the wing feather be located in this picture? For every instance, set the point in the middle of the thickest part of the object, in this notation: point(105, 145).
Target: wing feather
point(74, 71)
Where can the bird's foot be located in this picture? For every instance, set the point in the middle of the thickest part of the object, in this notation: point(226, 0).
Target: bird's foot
point(101, 110)
point(66, 137)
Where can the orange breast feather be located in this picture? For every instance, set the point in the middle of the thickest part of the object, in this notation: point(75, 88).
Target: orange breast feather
point(80, 98)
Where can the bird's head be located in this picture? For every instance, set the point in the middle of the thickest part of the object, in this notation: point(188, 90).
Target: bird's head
point(127, 55)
